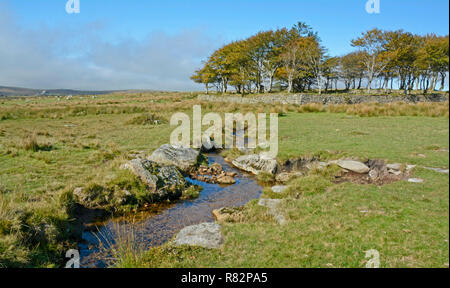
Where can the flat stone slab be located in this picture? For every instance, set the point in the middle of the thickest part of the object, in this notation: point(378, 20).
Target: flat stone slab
point(279, 189)
point(438, 170)
point(206, 235)
point(415, 180)
point(353, 166)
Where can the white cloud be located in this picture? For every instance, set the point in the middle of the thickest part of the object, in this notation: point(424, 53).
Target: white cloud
point(78, 58)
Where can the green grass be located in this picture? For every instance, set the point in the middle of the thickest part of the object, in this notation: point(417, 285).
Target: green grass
point(73, 143)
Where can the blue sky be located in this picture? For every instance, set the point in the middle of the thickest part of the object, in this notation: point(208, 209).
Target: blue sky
point(107, 41)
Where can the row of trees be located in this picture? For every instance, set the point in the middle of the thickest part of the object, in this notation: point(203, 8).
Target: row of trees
point(296, 60)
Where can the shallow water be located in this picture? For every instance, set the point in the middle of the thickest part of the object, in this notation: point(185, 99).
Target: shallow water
point(154, 229)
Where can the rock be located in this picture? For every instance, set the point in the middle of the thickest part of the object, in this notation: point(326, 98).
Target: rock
point(170, 176)
point(206, 235)
point(216, 168)
point(208, 145)
point(287, 176)
point(353, 166)
point(145, 170)
point(272, 205)
point(410, 167)
point(183, 158)
point(415, 180)
point(315, 165)
point(396, 166)
point(256, 164)
point(231, 174)
point(395, 172)
point(373, 174)
point(438, 170)
point(279, 189)
point(165, 182)
point(224, 179)
point(227, 214)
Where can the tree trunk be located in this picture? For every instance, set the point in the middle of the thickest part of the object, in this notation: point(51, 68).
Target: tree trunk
point(443, 76)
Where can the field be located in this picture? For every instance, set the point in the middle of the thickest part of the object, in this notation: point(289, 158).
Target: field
point(49, 146)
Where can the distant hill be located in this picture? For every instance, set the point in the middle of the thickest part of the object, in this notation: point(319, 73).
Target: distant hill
point(17, 92)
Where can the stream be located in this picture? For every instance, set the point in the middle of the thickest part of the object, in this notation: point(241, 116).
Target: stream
point(150, 229)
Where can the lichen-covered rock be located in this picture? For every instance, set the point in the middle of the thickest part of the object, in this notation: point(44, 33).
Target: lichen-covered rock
point(285, 177)
point(145, 170)
point(164, 182)
point(228, 214)
point(256, 164)
point(206, 235)
point(184, 158)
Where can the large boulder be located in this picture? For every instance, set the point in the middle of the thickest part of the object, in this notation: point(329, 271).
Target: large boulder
point(145, 170)
point(165, 182)
point(256, 164)
point(206, 235)
point(184, 158)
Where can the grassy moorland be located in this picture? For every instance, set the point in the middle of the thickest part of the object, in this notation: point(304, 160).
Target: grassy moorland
point(49, 146)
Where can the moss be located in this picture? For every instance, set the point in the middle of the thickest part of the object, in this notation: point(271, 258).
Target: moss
point(192, 192)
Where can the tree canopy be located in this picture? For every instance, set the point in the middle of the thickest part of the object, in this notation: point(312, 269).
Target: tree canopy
point(295, 60)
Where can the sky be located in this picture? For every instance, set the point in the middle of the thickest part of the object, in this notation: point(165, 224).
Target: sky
point(154, 44)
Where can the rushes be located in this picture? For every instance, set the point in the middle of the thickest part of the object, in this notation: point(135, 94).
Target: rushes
point(30, 143)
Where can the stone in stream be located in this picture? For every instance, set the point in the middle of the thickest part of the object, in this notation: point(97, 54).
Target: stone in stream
point(208, 145)
point(184, 158)
point(206, 235)
point(256, 164)
point(351, 165)
point(226, 180)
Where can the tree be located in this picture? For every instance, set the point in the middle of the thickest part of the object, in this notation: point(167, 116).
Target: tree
point(372, 43)
point(331, 71)
point(352, 68)
point(313, 56)
point(205, 76)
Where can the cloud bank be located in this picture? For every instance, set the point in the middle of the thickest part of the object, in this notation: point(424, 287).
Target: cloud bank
point(78, 58)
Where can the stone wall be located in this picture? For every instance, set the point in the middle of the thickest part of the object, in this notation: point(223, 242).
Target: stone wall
point(299, 99)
